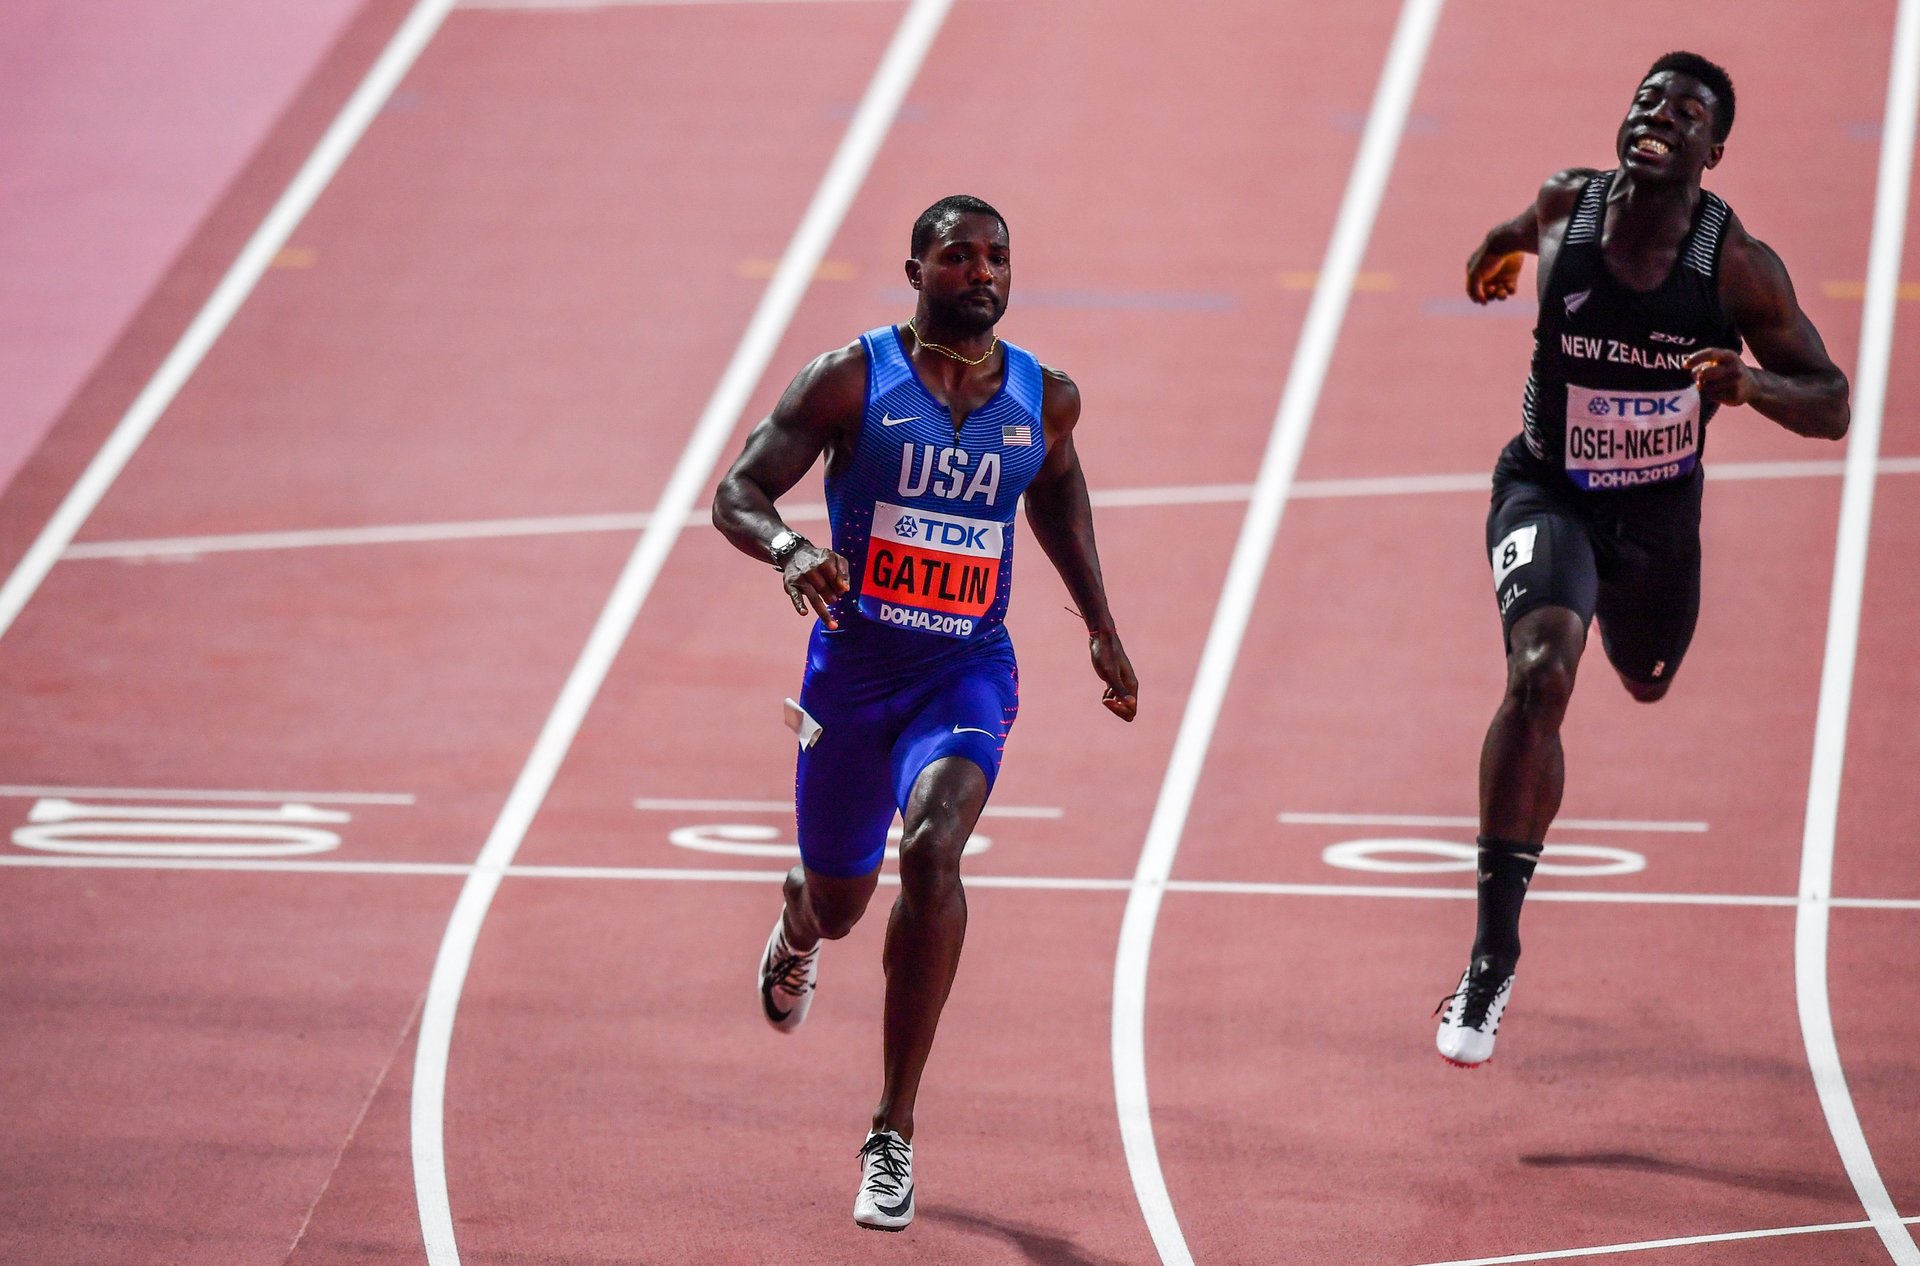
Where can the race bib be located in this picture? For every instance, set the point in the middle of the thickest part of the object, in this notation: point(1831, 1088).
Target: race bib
point(930, 571)
point(1623, 439)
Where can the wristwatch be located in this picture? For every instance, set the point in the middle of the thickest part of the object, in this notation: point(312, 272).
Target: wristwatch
point(784, 545)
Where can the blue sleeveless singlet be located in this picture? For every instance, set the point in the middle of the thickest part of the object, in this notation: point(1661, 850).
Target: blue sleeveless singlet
point(924, 516)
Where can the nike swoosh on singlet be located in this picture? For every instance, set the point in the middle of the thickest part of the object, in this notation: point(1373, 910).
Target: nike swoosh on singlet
point(887, 421)
point(972, 729)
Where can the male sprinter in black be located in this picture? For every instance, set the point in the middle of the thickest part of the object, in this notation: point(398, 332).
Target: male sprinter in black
point(932, 431)
point(1648, 284)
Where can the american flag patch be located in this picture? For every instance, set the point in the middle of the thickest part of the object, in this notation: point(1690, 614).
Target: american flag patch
point(1016, 436)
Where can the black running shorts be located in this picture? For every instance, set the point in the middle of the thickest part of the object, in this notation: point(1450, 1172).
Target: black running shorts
point(1632, 562)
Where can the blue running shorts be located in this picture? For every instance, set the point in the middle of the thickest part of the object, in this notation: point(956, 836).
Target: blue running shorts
point(886, 713)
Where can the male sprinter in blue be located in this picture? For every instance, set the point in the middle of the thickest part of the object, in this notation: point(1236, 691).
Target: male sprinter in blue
point(932, 432)
point(1648, 284)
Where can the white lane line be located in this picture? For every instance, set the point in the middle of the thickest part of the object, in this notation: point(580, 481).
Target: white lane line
point(1806, 469)
point(1843, 640)
point(392, 534)
point(1435, 820)
point(214, 316)
point(692, 475)
point(181, 793)
point(636, 521)
point(1176, 495)
point(1312, 355)
point(685, 874)
point(1638, 1246)
point(1574, 896)
point(1392, 486)
point(1048, 883)
point(655, 805)
point(248, 865)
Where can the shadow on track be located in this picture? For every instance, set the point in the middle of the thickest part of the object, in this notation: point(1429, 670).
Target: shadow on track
point(1775, 1182)
point(1042, 1248)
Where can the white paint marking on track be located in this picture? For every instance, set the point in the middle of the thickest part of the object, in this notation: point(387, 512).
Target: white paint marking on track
point(655, 805)
point(178, 547)
point(1811, 927)
point(1434, 820)
point(1047, 883)
point(692, 474)
point(241, 277)
point(1177, 495)
point(1386, 119)
point(181, 793)
point(1391, 486)
point(1641, 1246)
point(250, 865)
point(64, 810)
point(392, 534)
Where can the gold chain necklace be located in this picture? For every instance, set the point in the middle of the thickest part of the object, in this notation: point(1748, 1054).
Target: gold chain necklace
point(948, 351)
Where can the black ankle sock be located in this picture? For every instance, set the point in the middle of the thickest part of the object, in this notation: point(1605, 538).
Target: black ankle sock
point(1505, 868)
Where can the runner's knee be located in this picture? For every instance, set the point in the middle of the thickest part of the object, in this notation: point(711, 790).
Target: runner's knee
point(1540, 681)
point(930, 857)
point(836, 919)
point(1543, 659)
point(835, 907)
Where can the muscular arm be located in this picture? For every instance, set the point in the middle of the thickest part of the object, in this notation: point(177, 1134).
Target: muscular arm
point(1797, 384)
point(1493, 270)
point(1061, 516)
point(819, 412)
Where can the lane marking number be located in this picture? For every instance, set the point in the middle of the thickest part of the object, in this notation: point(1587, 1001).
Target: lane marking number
point(736, 839)
point(58, 825)
point(1435, 857)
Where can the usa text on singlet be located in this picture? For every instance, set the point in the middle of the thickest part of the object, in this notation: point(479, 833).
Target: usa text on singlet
point(924, 516)
point(1609, 403)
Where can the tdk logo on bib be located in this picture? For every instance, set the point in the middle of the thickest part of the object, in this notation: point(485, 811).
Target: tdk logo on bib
point(1622, 439)
point(935, 572)
point(1636, 405)
point(945, 533)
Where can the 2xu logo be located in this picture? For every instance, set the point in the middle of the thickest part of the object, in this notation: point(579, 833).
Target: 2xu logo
point(139, 830)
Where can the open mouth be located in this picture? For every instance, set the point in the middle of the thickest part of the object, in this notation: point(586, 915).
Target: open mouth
point(1652, 145)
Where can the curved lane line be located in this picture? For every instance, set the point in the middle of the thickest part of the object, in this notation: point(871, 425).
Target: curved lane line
point(241, 277)
point(1312, 355)
point(1811, 926)
point(691, 475)
point(1642, 1246)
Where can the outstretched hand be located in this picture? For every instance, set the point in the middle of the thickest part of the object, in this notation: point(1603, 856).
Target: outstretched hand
point(1122, 695)
point(1721, 375)
point(1493, 275)
point(814, 578)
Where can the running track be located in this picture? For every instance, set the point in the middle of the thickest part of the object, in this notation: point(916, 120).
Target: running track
point(353, 567)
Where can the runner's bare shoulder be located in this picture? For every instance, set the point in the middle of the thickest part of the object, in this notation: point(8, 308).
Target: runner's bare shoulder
point(1560, 193)
point(1059, 397)
point(830, 393)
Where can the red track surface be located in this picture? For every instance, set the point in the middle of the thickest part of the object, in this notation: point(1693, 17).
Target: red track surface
point(513, 301)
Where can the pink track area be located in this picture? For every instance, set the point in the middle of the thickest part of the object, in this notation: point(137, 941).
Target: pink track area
point(126, 124)
point(243, 779)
